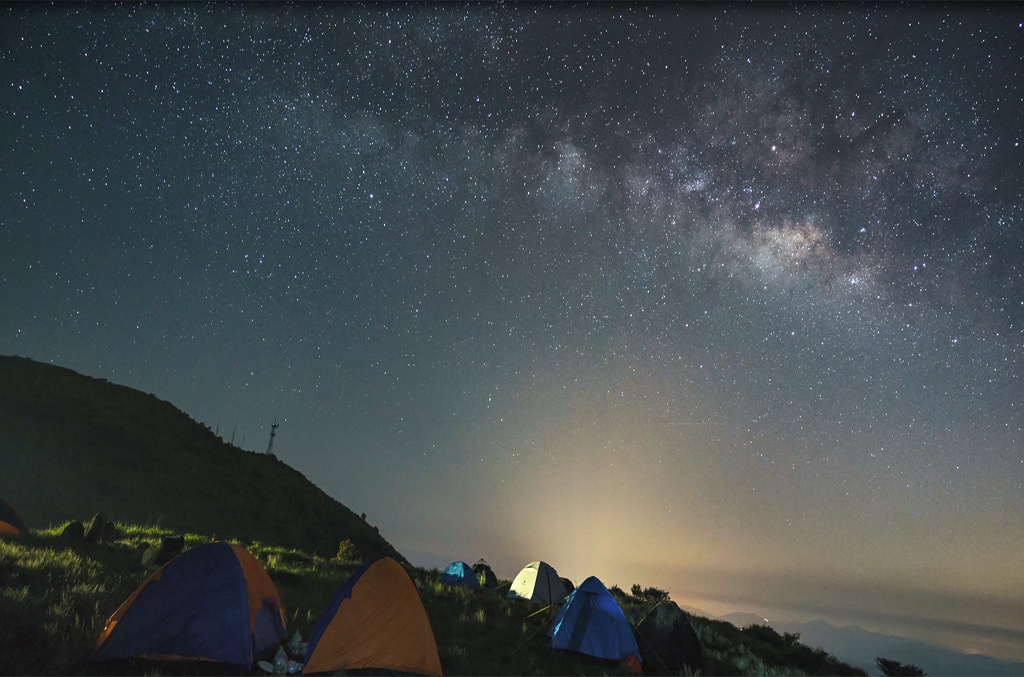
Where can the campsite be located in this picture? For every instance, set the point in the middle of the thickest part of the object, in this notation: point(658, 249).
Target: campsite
point(59, 598)
point(223, 582)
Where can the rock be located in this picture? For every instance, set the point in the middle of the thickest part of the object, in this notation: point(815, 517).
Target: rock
point(73, 533)
point(97, 529)
point(169, 548)
point(149, 557)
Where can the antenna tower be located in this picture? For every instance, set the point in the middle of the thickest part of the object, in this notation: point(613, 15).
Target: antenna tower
point(273, 431)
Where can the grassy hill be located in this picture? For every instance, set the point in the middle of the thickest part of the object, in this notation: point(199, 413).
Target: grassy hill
point(75, 445)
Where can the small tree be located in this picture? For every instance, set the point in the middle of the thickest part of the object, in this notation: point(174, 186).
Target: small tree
point(896, 669)
point(348, 551)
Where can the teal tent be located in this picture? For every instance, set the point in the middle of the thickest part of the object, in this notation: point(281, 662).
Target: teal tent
point(460, 573)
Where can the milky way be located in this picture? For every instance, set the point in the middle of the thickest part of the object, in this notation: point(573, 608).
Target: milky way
point(724, 299)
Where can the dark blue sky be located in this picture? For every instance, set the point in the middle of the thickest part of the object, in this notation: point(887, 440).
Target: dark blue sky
point(725, 299)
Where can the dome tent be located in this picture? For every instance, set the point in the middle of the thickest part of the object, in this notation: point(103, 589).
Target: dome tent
point(592, 623)
point(376, 621)
point(460, 573)
point(485, 574)
point(669, 641)
point(538, 582)
point(214, 602)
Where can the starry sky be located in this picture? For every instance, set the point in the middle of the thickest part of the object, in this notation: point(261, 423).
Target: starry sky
point(723, 299)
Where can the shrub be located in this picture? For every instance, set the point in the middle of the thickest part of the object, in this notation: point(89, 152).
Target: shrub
point(649, 595)
point(892, 668)
point(348, 552)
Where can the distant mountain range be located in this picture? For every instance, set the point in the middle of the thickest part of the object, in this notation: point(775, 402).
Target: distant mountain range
point(73, 446)
point(856, 646)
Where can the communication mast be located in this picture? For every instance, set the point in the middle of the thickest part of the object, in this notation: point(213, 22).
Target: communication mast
point(273, 431)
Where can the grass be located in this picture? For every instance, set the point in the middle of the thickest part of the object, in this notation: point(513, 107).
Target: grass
point(54, 603)
point(57, 597)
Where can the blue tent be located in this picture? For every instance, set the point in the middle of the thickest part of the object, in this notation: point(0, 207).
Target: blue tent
point(214, 602)
point(460, 573)
point(591, 622)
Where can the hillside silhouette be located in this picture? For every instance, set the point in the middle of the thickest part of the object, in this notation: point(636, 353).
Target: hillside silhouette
point(74, 445)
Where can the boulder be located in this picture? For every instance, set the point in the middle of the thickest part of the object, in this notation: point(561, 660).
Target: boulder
point(156, 556)
point(170, 547)
point(149, 557)
point(74, 533)
point(97, 529)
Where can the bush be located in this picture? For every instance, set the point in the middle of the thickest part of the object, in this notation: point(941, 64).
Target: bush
point(348, 552)
point(892, 668)
point(649, 595)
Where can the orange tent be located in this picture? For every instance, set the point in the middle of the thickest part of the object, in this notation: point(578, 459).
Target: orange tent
point(10, 521)
point(376, 621)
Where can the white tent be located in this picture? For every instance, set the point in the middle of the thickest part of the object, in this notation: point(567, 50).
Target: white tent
point(538, 582)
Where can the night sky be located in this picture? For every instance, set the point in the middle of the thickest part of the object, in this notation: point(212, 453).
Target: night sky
point(723, 299)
